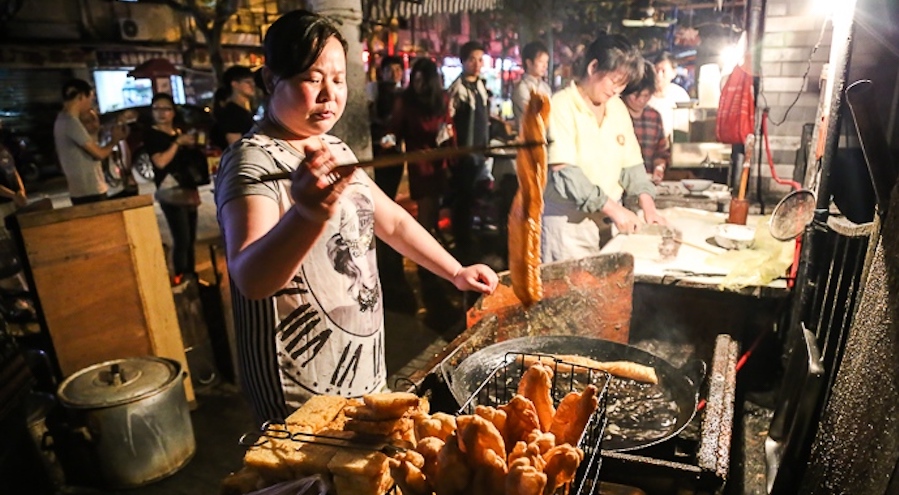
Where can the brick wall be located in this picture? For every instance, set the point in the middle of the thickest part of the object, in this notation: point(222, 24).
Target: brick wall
point(789, 38)
point(790, 34)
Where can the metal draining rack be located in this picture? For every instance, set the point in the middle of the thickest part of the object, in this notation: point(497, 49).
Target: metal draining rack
point(502, 384)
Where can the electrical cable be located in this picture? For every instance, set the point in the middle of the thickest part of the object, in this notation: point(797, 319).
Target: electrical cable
point(808, 68)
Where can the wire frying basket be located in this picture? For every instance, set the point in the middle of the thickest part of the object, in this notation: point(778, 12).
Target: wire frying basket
point(502, 384)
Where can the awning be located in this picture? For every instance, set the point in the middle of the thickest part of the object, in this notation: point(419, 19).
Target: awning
point(385, 9)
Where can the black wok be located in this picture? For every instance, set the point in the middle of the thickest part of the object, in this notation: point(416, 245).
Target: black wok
point(680, 386)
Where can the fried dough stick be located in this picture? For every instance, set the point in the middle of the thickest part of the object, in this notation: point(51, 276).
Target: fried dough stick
point(527, 206)
point(573, 414)
point(476, 437)
point(561, 465)
point(489, 477)
point(452, 475)
point(536, 384)
point(521, 419)
point(524, 479)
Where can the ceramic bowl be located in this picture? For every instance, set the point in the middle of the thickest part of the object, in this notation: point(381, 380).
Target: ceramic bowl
point(731, 236)
point(696, 185)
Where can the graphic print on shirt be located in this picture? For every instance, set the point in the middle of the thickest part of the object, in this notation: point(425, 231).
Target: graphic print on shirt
point(332, 341)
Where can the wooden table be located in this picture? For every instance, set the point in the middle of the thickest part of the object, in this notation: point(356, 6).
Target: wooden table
point(691, 267)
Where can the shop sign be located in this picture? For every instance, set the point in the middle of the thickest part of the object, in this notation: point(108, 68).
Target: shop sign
point(131, 58)
point(20, 57)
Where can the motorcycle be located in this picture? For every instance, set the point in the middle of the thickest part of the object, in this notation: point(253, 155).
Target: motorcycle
point(21, 150)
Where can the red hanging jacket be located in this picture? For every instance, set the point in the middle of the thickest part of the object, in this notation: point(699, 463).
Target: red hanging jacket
point(736, 108)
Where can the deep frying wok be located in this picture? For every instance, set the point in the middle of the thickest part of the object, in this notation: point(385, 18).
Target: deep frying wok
point(684, 389)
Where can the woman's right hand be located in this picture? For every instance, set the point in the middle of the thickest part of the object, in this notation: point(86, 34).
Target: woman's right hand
point(314, 192)
point(625, 220)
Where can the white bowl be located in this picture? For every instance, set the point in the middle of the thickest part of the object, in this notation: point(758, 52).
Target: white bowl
point(732, 236)
point(696, 185)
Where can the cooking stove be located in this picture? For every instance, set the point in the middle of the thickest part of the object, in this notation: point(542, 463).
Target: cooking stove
point(597, 297)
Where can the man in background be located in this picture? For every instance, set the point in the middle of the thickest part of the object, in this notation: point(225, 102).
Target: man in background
point(470, 112)
point(535, 58)
point(234, 117)
point(80, 154)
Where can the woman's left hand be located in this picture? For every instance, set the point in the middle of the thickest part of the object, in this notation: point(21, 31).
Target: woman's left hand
point(653, 217)
point(478, 278)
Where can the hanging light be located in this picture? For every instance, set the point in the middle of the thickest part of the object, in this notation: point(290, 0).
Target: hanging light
point(641, 13)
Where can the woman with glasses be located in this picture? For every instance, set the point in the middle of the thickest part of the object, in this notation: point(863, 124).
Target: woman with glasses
point(594, 158)
point(179, 168)
point(301, 252)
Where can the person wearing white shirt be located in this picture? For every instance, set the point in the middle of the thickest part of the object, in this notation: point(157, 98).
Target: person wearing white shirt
point(535, 57)
point(668, 94)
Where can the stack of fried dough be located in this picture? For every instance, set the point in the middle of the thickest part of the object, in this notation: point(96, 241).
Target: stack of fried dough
point(352, 471)
point(525, 447)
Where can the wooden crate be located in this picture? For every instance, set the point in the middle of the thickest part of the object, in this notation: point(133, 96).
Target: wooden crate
point(100, 274)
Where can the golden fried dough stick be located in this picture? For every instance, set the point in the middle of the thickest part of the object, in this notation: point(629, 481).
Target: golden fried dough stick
point(409, 478)
point(392, 404)
point(622, 369)
point(561, 465)
point(524, 479)
point(439, 425)
point(573, 414)
point(544, 441)
point(490, 477)
point(536, 384)
point(526, 211)
point(495, 416)
point(531, 452)
point(452, 475)
point(429, 448)
point(521, 419)
point(476, 436)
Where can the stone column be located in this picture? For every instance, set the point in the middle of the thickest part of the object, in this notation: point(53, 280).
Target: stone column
point(353, 127)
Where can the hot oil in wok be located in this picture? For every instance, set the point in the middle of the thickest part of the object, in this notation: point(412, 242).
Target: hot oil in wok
point(638, 412)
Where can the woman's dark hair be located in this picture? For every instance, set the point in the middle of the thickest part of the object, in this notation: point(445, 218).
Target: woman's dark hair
point(613, 52)
point(665, 57)
point(164, 96)
point(295, 41)
point(74, 87)
point(647, 82)
point(431, 100)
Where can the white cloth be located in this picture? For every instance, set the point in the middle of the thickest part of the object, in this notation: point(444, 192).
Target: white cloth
point(673, 119)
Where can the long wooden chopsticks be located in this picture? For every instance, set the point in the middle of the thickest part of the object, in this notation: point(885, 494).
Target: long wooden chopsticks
point(415, 156)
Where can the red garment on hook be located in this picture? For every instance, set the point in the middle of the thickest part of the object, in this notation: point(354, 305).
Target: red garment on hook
point(736, 108)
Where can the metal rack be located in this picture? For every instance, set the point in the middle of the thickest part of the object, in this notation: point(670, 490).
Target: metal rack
point(502, 384)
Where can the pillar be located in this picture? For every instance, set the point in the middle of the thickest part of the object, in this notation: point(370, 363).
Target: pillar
point(353, 127)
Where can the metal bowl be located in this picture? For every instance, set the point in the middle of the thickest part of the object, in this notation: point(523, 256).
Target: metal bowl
point(696, 185)
point(732, 236)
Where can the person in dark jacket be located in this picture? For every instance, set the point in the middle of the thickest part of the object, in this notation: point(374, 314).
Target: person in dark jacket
point(233, 118)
